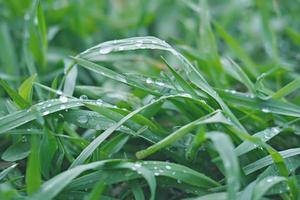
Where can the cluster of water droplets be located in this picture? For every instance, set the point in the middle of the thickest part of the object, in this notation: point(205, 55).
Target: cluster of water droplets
point(265, 110)
point(271, 133)
point(150, 81)
point(231, 91)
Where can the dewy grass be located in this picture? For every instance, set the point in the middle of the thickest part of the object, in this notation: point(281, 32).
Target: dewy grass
point(149, 100)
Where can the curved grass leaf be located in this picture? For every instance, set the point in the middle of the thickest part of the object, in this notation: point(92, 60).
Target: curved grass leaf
point(264, 135)
point(225, 148)
point(263, 162)
point(17, 151)
point(154, 43)
point(53, 186)
point(264, 185)
point(6, 171)
point(25, 90)
point(215, 117)
point(96, 142)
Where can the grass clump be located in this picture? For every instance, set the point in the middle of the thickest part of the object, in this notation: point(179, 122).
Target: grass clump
point(149, 100)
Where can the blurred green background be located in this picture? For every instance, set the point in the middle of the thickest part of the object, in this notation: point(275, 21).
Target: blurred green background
point(267, 31)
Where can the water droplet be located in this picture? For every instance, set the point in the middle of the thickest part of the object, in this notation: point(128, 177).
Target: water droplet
point(62, 107)
point(154, 42)
point(173, 173)
point(105, 50)
point(99, 102)
point(179, 181)
point(139, 43)
point(137, 165)
point(59, 92)
point(161, 171)
point(46, 112)
point(63, 99)
point(83, 119)
point(187, 95)
point(156, 174)
point(83, 97)
point(168, 167)
point(133, 168)
point(275, 130)
point(265, 110)
point(159, 83)
point(149, 81)
point(35, 21)
point(121, 78)
point(139, 172)
point(155, 168)
point(269, 180)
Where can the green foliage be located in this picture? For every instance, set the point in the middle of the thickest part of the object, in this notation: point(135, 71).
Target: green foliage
point(135, 99)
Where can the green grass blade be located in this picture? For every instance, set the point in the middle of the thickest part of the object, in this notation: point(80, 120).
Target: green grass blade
point(22, 103)
point(287, 89)
point(215, 117)
point(33, 170)
point(96, 142)
point(225, 148)
point(266, 161)
point(25, 90)
point(264, 185)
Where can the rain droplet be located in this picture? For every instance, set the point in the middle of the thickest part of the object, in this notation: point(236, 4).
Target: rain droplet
point(105, 50)
point(149, 81)
point(83, 119)
point(35, 21)
point(59, 92)
point(133, 168)
point(156, 174)
point(275, 130)
point(121, 78)
point(99, 102)
point(179, 181)
point(168, 167)
point(46, 112)
point(139, 43)
point(138, 165)
point(83, 97)
point(265, 110)
point(269, 180)
point(159, 83)
point(154, 42)
point(155, 167)
point(62, 107)
point(63, 99)
point(187, 95)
